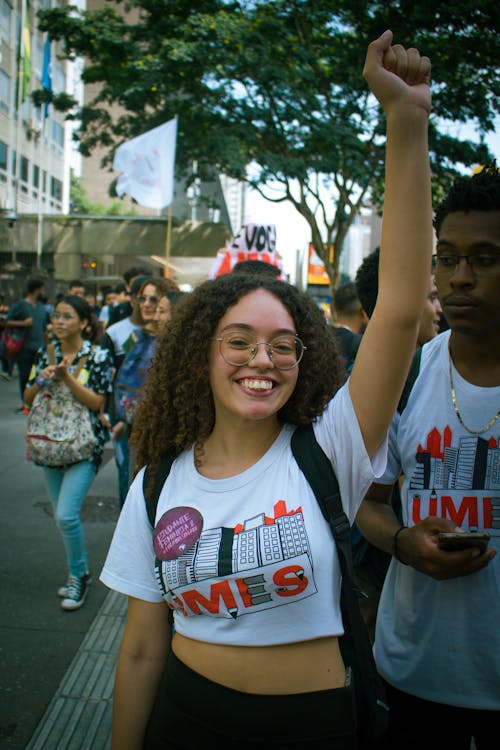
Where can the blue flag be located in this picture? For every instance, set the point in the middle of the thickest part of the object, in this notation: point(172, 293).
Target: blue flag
point(46, 77)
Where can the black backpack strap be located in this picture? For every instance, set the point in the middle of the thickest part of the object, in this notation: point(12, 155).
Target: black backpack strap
point(151, 498)
point(355, 644)
point(410, 380)
point(319, 472)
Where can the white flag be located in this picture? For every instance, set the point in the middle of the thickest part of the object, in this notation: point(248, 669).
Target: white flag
point(147, 166)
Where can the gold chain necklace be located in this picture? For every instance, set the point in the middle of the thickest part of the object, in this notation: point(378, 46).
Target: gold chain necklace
point(455, 406)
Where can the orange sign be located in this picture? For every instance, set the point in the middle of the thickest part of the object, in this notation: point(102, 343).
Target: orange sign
point(316, 271)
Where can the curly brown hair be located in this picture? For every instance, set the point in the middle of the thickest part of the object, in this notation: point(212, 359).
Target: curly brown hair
point(177, 408)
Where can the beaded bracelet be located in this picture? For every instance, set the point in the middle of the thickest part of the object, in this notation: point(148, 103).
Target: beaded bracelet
point(395, 543)
point(40, 381)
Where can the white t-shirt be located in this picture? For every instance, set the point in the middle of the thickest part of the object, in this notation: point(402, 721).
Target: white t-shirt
point(440, 640)
point(250, 559)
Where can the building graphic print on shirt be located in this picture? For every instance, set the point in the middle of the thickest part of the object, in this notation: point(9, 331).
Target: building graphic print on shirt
point(263, 562)
point(460, 482)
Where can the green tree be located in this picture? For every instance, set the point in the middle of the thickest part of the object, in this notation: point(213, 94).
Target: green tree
point(272, 91)
point(80, 204)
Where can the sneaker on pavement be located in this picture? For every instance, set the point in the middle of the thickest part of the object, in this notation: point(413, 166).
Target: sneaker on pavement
point(62, 591)
point(77, 591)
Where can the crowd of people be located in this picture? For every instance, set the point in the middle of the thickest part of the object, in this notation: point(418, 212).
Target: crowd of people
point(234, 627)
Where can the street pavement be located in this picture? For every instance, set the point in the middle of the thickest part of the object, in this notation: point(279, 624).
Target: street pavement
point(39, 640)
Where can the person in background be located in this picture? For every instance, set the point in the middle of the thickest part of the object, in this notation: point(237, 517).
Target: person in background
point(122, 293)
point(142, 347)
point(437, 639)
point(76, 288)
point(30, 315)
point(118, 339)
point(164, 311)
point(93, 304)
point(75, 329)
point(367, 287)
point(155, 294)
point(123, 309)
point(6, 365)
point(350, 320)
point(245, 558)
point(371, 563)
point(108, 302)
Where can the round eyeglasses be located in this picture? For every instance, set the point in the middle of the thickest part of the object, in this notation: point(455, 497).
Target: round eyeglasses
point(238, 349)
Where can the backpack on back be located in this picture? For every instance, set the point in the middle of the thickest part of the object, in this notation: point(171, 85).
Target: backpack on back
point(131, 377)
point(59, 431)
point(355, 646)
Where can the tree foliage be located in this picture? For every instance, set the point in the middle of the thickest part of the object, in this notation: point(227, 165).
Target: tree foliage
point(272, 91)
point(80, 203)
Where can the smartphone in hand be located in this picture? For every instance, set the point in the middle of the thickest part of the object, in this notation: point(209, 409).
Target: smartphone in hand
point(453, 540)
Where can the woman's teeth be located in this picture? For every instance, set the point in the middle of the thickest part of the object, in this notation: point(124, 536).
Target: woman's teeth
point(257, 385)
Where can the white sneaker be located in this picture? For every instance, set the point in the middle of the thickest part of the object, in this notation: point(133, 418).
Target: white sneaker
point(76, 594)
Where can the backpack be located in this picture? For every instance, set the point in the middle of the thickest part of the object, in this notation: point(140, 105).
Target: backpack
point(369, 692)
point(131, 376)
point(11, 342)
point(59, 431)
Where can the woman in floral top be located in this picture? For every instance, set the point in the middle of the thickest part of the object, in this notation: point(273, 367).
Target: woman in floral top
point(75, 329)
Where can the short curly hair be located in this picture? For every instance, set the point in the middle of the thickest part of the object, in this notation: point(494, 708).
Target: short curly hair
point(177, 408)
point(367, 281)
point(479, 192)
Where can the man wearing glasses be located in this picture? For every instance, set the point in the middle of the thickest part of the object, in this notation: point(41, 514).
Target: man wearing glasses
point(437, 640)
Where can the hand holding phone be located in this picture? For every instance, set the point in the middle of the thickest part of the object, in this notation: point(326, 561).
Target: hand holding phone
point(456, 540)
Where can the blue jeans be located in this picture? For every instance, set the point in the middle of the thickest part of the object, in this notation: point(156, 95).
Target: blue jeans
point(67, 489)
point(122, 460)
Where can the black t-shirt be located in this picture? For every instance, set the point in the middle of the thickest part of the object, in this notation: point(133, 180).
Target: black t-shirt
point(119, 312)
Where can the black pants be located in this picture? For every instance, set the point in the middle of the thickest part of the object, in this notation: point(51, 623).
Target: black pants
point(417, 724)
point(192, 712)
point(24, 363)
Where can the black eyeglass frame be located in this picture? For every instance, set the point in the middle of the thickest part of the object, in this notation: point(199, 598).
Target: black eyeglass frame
point(481, 264)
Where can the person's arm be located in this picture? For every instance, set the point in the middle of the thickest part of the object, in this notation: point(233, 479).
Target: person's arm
point(11, 323)
point(141, 661)
point(416, 545)
point(39, 372)
point(18, 316)
point(399, 78)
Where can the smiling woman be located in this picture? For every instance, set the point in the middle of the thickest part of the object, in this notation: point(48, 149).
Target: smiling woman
point(240, 551)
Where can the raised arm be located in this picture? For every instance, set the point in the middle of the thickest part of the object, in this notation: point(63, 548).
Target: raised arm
point(399, 78)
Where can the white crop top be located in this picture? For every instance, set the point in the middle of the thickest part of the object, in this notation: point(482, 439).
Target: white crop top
point(249, 559)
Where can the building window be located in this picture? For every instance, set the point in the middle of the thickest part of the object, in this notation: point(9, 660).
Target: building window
point(24, 169)
point(55, 189)
point(4, 91)
point(5, 14)
point(58, 78)
point(35, 175)
point(57, 137)
point(3, 155)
